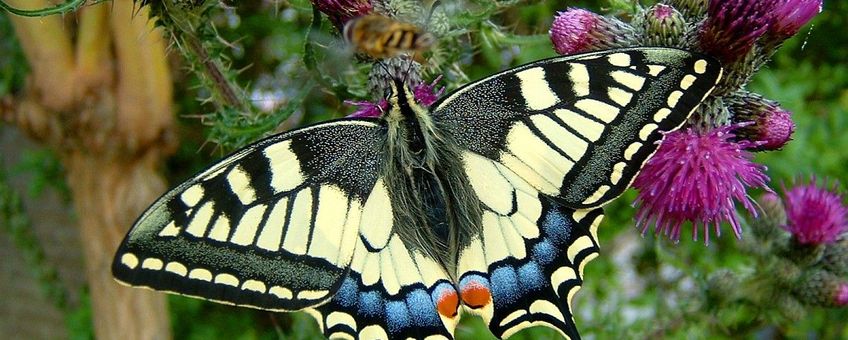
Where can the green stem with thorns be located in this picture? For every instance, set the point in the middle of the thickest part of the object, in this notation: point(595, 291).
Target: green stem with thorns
point(62, 8)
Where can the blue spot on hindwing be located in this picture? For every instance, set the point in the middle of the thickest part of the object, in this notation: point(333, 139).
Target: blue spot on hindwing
point(422, 309)
point(440, 290)
point(370, 303)
point(475, 278)
point(397, 316)
point(504, 285)
point(544, 252)
point(556, 226)
point(347, 295)
point(531, 276)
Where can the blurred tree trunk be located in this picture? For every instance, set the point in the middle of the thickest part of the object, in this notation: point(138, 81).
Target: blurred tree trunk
point(100, 95)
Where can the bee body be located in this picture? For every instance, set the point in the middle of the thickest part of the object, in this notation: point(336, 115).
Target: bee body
point(383, 37)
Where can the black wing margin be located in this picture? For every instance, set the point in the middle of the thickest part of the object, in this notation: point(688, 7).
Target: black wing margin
point(272, 226)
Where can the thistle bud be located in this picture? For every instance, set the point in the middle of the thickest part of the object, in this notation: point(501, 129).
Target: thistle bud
point(841, 298)
point(788, 18)
point(785, 272)
point(790, 308)
point(772, 126)
point(822, 288)
point(721, 285)
point(836, 258)
point(662, 25)
point(768, 226)
point(692, 9)
point(578, 30)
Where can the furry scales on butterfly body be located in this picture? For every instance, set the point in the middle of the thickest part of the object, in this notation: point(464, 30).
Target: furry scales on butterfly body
point(487, 203)
point(383, 37)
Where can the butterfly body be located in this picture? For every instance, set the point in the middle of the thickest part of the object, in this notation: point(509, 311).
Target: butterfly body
point(486, 203)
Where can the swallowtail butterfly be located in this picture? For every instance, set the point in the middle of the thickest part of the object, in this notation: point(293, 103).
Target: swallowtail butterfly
point(488, 203)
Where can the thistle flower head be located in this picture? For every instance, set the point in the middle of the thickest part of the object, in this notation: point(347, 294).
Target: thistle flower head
point(384, 73)
point(815, 215)
point(578, 30)
point(368, 109)
point(790, 15)
point(427, 94)
point(697, 177)
point(733, 26)
point(340, 11)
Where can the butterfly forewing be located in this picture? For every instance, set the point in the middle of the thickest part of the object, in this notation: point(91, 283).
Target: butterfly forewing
point(579, 128)
point(272, 226)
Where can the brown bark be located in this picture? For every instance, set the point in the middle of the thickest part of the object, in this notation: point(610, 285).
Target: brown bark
point(103, 102)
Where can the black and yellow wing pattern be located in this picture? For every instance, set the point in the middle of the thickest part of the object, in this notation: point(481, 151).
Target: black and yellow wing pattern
point(548, 144)
point(311, 220)
point(272, 226)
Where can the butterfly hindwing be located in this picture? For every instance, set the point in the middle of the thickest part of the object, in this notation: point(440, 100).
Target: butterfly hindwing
point(528, 263)
point(579, 128)
point(272, 226)
point(392, 291)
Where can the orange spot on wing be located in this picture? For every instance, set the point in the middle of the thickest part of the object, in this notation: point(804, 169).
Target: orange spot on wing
point(448, 304)
point(475, 295)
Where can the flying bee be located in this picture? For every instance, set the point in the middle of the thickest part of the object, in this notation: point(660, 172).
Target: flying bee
point(382, 37)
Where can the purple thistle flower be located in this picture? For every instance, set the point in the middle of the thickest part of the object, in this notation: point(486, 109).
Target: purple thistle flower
point(578, 30)
point(790, 15)
point(815, 215)
point(340, 11)
point(697, 177)
point(733, 26)
point(426, 94)
point(368, 109)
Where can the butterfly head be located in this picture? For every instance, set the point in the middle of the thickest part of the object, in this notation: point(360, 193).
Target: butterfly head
point(402, 104)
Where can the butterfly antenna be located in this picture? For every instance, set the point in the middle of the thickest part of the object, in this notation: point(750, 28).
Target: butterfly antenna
point(388, 73)
point(411, 58)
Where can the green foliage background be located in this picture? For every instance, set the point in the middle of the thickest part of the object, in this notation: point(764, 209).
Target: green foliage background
point(653, 288)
